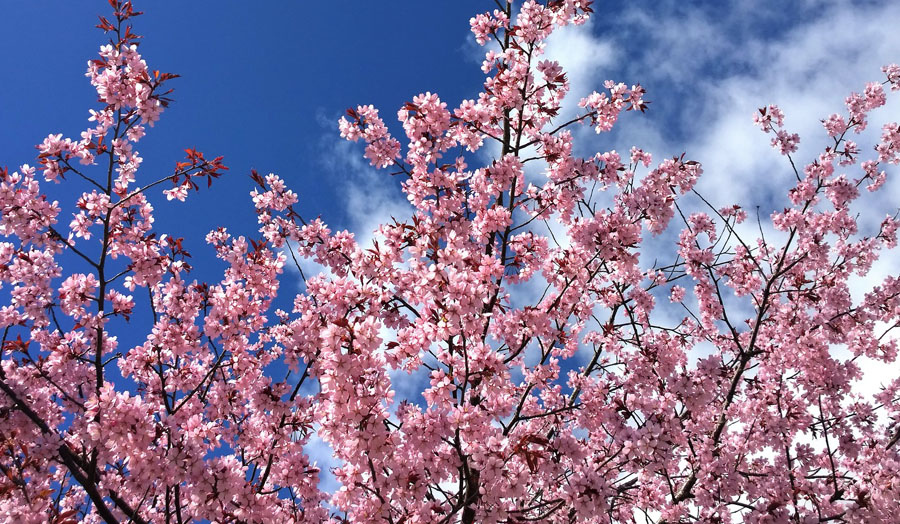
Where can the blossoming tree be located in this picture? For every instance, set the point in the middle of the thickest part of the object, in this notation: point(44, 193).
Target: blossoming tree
point(580, 406)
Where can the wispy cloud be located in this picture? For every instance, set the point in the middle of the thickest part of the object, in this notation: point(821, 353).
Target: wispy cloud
point(322, 455)
point(723, 64)
point(371, 197)
point(585, 59)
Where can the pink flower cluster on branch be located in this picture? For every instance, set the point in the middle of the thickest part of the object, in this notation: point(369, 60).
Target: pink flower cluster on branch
point(582, 402)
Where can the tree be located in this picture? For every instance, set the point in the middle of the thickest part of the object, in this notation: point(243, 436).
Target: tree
point(516, 425)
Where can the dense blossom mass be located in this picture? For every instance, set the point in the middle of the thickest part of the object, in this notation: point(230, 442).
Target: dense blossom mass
point(560, 389)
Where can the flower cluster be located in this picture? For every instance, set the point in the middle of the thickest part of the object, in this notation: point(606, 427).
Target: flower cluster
point(557, 382)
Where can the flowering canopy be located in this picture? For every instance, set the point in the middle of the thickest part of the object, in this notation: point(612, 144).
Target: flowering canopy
point(584, 404)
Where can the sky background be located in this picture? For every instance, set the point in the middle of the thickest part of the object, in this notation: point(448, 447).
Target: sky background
point(264, 83)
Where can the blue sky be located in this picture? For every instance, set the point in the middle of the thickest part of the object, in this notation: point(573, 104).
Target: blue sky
point(264, 83)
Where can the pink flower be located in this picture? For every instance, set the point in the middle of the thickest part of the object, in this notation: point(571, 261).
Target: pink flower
point(893, 76)
point(502, 353)
point(769, 118)
point(785, 142)
point(835, 125)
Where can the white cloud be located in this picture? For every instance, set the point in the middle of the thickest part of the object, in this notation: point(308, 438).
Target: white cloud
point(585, 59)
point(321, 454)
point(372, 196)
point(721, 66)
point(808, 73)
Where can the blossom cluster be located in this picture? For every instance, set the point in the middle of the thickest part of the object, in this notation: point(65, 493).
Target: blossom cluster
point(717, 385)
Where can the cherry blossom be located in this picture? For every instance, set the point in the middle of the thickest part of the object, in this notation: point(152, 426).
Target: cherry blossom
point(715, 384)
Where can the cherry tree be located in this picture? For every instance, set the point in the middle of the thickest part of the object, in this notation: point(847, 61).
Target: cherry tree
point(559, 388)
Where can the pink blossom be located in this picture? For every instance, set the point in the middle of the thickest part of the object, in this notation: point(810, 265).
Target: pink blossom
point(835, 125)
point(769, 118)
point(786, 142)
point(505, 353)
point(893, 76)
